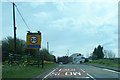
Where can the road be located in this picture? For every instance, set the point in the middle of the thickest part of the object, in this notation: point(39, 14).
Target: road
point(81, 72)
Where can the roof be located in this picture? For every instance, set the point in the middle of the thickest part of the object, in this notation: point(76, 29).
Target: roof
point(75, 54)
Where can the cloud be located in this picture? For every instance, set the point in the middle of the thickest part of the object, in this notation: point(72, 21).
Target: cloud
point(90, 1)
point(35, 5)
point(62, 24)
point(61, 5)
point(109, 43)
point(78, 26)
point(41, 15)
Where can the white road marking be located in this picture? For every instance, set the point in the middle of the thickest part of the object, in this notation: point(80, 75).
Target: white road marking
point(82, 70)
point(49, 74)
point(82, 77)
point(91, 76)
point(111, 70)
point(67, 69)
point(68, 73)
point(86, 77)
point(72, 73)
point(59, 69)
point(55, 73)
point(75, 73)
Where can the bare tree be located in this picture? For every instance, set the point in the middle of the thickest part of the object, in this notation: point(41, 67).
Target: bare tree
point(109, 54)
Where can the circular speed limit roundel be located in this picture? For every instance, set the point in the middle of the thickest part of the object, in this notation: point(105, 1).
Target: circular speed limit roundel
point(33, 39)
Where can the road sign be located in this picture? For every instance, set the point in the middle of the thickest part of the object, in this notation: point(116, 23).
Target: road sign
point(33, 40)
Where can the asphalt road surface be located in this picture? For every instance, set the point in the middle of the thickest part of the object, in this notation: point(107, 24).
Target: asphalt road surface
point(81, 72)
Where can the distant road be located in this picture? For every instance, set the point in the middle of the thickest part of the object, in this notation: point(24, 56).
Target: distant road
point(81, 72)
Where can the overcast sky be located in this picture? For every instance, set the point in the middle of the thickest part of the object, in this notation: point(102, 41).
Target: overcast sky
point(77, 26)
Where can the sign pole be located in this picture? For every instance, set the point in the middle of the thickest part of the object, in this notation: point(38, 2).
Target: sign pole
point(34, 42)
point(38, 58)
point(42, 60)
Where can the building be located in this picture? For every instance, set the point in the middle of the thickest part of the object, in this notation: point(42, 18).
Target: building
point(77, 58)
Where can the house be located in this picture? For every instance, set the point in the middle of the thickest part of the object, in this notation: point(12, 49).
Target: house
point(77, 58)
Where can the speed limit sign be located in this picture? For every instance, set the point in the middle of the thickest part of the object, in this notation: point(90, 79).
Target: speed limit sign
point(33, 40)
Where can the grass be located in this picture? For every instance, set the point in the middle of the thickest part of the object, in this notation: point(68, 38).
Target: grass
point(106, 62)
point(15, 71)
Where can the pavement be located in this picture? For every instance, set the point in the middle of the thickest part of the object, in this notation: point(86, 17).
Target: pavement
point(79, 72)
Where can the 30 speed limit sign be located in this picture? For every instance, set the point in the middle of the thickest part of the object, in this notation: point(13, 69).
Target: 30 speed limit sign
point(33, 40)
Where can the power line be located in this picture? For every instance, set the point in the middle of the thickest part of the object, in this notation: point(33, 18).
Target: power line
point(22, 17)
point(20, 14)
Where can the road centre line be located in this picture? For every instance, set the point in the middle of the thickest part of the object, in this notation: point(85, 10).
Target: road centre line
point(49, 73)
point(91, 76)
point(82, 70)
point(111, 70)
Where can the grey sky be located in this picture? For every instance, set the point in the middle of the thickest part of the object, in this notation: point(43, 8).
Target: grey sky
point(77, 26)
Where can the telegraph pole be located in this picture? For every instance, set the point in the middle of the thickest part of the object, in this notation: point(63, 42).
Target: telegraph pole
point(14, 28)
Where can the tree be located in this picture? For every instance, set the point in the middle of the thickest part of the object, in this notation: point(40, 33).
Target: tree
point(47, 55)
point(54, 58)
point(94, 56)
point(8, 47)
point(109, 54)
point(63, 59)
point(98, 53)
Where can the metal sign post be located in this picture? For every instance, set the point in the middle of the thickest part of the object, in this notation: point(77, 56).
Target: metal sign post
point(42, 60)
point(38, 58)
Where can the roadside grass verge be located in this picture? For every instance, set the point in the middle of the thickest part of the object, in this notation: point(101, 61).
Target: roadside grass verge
point(105, 62)
point(15, 71)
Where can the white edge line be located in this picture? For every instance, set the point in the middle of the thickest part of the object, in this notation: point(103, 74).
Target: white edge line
point(111, 70)
point(91, 76)
point(82, 70)
point(49, 74)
